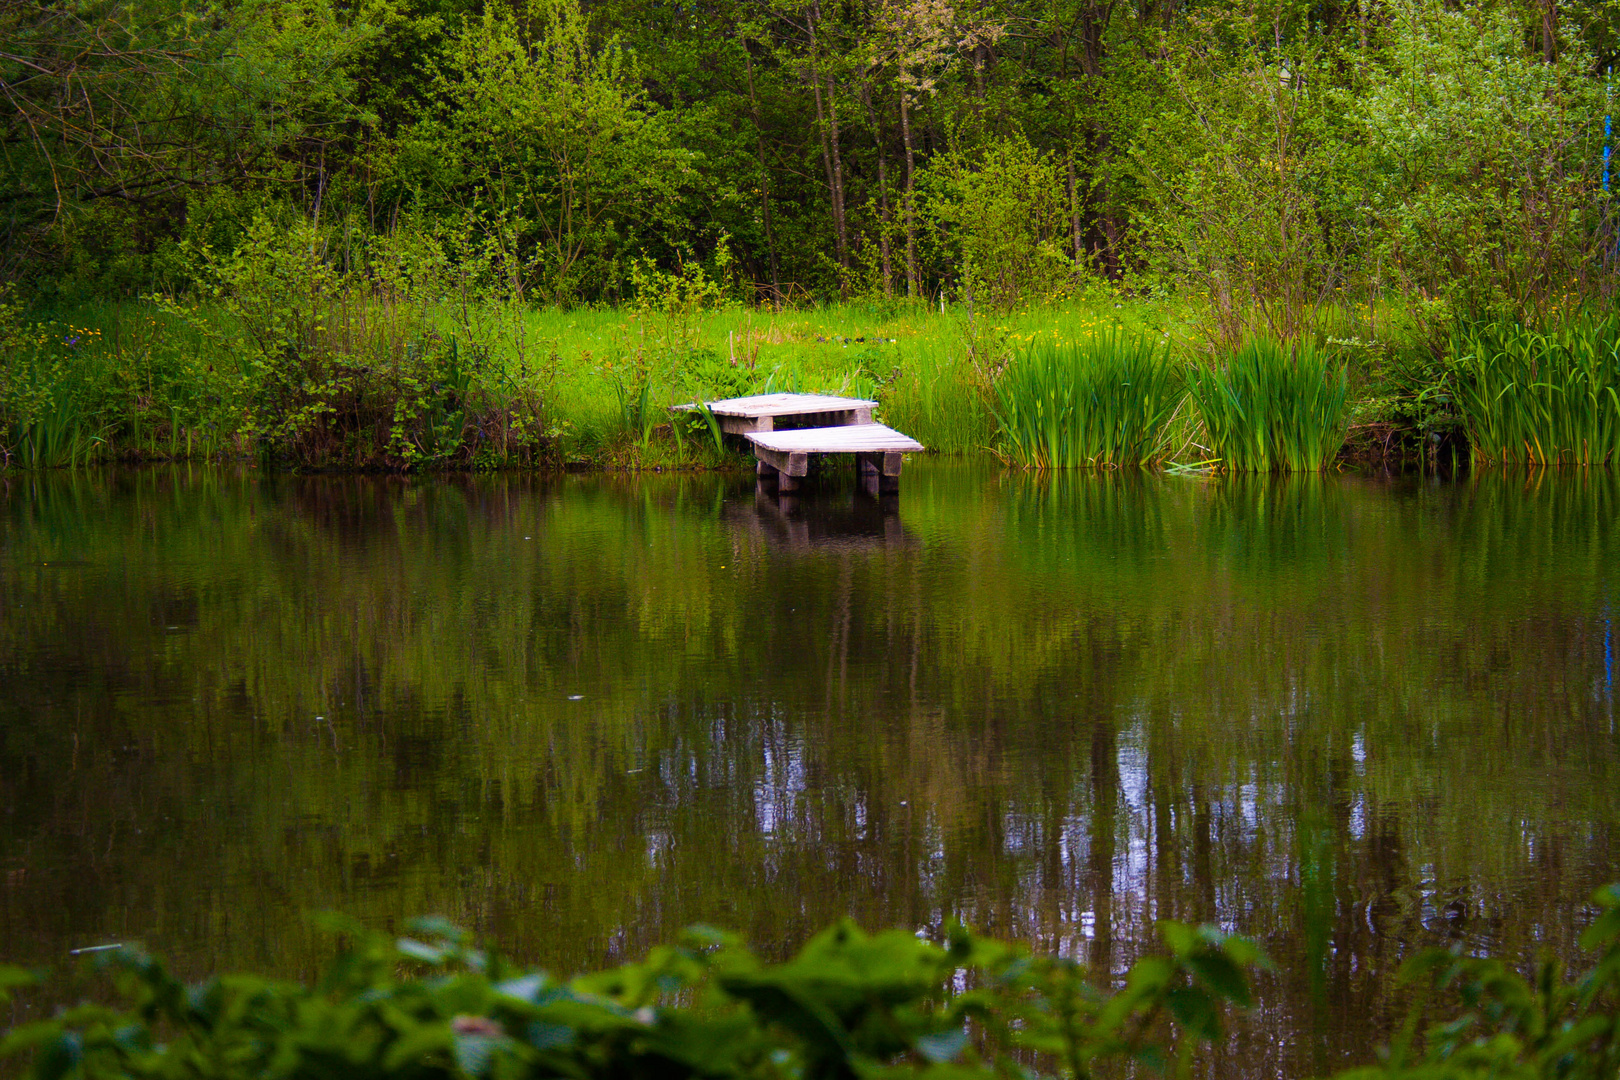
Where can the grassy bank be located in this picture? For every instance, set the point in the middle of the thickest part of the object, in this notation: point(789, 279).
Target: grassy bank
point(321, 375)
point(493, 386)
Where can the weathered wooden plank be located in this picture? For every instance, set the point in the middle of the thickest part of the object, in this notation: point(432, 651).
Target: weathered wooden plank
point(853, 439)
point(786, 463)
point(742, 425)
point(845, 418)
point(762, 405)
point(787, 405)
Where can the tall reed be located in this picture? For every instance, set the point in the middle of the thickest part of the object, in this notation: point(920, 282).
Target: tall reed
point(1102, 401)
point(48, 415)
point(1273, 406)
point(1540, 397)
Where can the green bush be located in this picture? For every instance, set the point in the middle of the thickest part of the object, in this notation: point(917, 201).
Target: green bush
point(849, 1005)
point(1273, 407)
point(1102, 401)
point(351, 368)
point(1540, 398)
point(1005, 213)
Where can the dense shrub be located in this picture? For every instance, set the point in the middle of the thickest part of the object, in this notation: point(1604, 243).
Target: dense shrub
point(850, 1004)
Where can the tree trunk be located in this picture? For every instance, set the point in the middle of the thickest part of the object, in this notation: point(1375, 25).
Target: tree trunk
point(883, 193)
point(1105, 225)
point(1077, 233)
point(1549, 30)
point(832, 161)
point(765, 177)
point(840, 219)
point(913, 284)
point(821, 127)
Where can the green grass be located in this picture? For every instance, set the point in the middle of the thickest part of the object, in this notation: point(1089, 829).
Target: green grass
point(1100, 401)
point(936, 394)
point(1540, 397)
point(1273, 407)
point(931, 372)
point(166, 384)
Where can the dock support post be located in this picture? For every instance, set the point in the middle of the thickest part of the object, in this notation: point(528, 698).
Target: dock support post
point(880, 473)
point(788, 467)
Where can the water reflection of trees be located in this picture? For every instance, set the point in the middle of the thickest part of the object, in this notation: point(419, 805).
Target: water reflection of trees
point(1347, 718)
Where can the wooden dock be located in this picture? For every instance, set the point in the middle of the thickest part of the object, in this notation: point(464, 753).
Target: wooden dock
point(771, 412)
point(787, 430)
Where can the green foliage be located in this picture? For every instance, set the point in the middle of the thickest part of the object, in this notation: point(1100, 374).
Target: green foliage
point(48, 421)
point(115, 109)
point(1004, 213)
point(849, 1005)
point(1241, 176)
point(1102, 401)
point(183, 377)
point(1480, 159)
point(1250, 161)
point(1540, 1028)
point(550, 129)
point(335, 367)
point(1540, 397)
point(935, 391)
point(1273, 407)
point(50, 414)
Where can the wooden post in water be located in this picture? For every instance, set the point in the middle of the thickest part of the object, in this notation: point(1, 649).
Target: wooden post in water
point(879, 472)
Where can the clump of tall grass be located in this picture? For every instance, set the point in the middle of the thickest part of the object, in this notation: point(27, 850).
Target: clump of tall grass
point(1273, 406)
point(46, 416)
point(1540, 397)
point(1099, 402)
point(936, 394)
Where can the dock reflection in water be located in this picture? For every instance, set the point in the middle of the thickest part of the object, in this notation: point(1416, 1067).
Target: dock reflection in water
point(829, 517)
point(1348, 717)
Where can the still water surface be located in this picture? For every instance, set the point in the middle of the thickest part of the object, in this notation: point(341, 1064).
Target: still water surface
point(1349, 717)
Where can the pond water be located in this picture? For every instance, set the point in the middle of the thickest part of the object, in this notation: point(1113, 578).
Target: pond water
point(1350, 717)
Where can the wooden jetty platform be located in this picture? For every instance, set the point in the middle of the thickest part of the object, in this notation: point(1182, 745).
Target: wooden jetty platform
point(786, 430)
point(770, 412)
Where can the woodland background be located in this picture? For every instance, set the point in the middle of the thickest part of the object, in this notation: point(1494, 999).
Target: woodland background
point(389, 233)
point(1261, 157)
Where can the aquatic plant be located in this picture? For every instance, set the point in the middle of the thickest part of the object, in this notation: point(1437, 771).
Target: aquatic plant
point(48, 417)
point(1100, 401)
point(1273, 406)
point(1540, 397)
